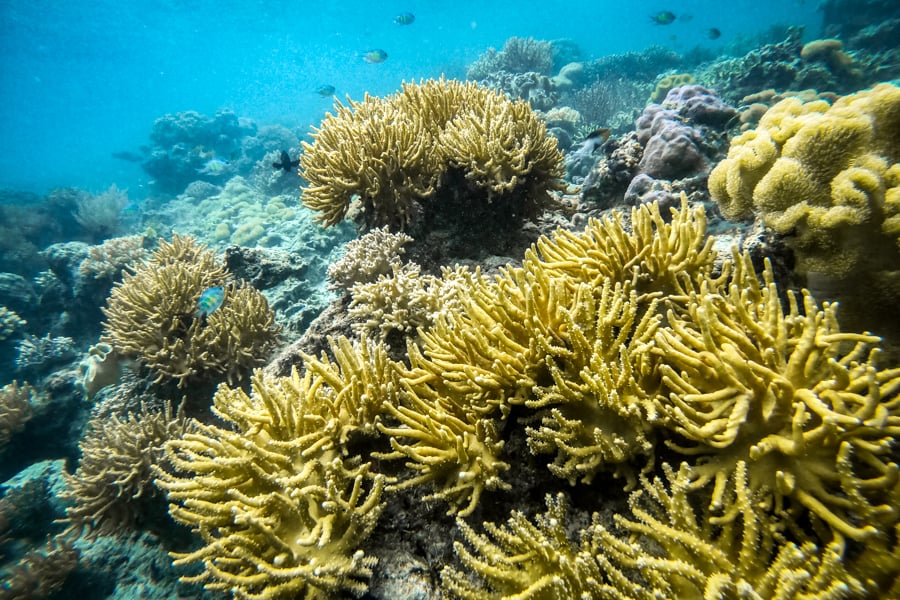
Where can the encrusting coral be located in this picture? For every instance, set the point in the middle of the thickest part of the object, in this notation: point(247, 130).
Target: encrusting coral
point(394, 154)
point(152, 316)
point(110, 488)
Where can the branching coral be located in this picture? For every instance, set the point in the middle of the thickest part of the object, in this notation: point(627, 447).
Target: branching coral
point(108, 259)
point(15, 409)
point(9, 322)
point(42, 572)
point(393, 153)
point(525, 559)
point(152, 316)
point(686, 554)
point(780, 390)
point(367, 257)
point(110, 488)
point(404, 301)
point(281, 514)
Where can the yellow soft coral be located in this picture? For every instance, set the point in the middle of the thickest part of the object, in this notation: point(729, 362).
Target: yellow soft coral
point(280, 512)
point(823, 175)
point(152, 316)
point(393, 153)
point(789, 394)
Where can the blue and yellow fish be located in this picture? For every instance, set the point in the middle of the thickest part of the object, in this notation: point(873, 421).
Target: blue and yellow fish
point(406, 18)
point(663, 17)
point(210, 300)
point(375, 56)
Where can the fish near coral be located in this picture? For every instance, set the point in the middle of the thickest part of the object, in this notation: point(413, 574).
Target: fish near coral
point(285, 164)
point(210, 300)
point(215, 166)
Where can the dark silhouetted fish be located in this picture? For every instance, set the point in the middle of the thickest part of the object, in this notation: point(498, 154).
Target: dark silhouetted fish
point(713, 33)
point(129, 156)
point(325, 90)
point(663, 17)
point(285, 164)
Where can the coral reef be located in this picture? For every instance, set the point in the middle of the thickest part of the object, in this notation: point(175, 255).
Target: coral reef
point(151, 316)
point(15, 409)
point(826, 175)
point(366, 258)
point(10, 322)
point(112, 487)
point(410, 148)
point(279, 510)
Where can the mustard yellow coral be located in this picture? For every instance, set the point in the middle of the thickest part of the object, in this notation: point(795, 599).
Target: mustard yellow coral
point(823, 175)
point(152, 316)
point(395, 152)
point(281, 513)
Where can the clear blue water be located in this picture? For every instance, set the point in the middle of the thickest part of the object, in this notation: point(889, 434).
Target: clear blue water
point(81, 80)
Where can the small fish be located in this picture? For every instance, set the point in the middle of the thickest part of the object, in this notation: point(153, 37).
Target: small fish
point(210, 300)
point(375, 56)
point(325, 90)
point(663, 17)
point(406, 18)
point(127, 155)
point(713, 33)
point(591, 143)
point(214, 166)
point(285, 164)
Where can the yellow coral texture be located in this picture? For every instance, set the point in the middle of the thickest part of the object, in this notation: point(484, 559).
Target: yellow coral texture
point(392, 154)
point(825, 176)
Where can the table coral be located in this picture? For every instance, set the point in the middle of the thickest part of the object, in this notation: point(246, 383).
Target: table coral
point(822, 175)
point(393, 153)
point(151, 316)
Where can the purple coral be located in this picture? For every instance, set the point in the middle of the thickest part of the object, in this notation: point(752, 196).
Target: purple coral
point(699, 105)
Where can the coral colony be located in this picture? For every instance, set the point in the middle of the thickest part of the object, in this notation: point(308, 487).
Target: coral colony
point(614, 328)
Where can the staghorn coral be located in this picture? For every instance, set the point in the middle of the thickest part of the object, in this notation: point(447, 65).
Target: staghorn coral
point(37, 353)
point(366, 258)
point(151, 316)
point(393, 153)
point(824, 175)
point(280, 513)
point(9, 322)
point(518, 55)
point(787, 393)
point(107, 260)
point(672, 552)
point(15, 409)
point(113, 484)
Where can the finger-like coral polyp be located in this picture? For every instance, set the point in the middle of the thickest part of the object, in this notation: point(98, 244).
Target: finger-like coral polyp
point(152, 316)
point(393, 153)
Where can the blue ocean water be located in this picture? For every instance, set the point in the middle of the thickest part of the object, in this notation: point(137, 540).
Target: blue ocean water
point(82, 80)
